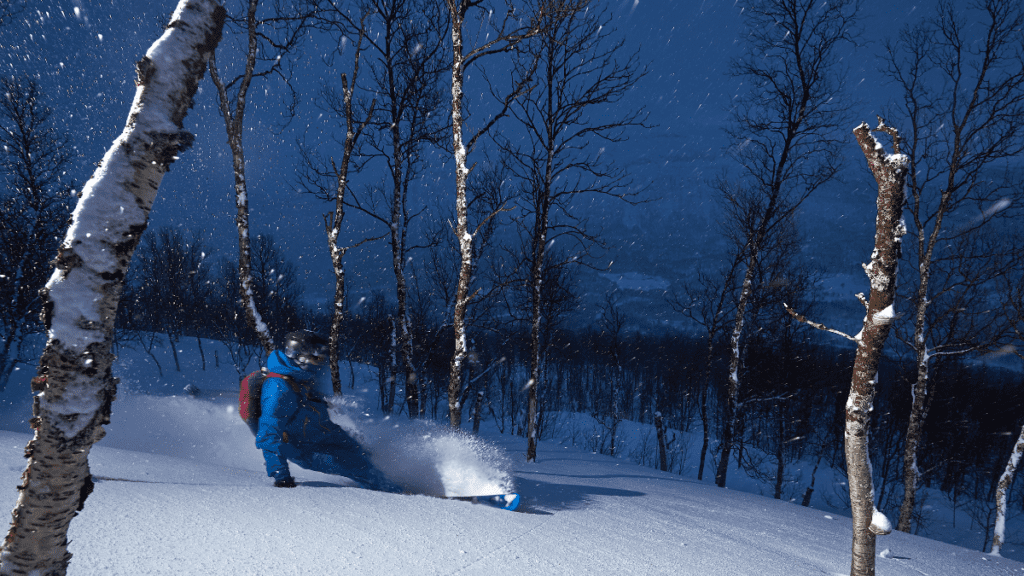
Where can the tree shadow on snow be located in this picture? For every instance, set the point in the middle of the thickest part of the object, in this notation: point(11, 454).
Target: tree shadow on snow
point(538, 496)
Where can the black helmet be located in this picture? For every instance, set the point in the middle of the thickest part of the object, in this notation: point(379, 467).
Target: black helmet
point(306, 348)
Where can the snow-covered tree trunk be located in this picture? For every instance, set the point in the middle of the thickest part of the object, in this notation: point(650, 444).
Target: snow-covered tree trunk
point(919, 392)
point(501, 39)
point(462, 221)
point(74, 386)
point(338, 265)
point(1002, 491)
point(890, 171)
point(333, 222)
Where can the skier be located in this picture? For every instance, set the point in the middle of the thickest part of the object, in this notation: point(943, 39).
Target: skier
point(294, 424)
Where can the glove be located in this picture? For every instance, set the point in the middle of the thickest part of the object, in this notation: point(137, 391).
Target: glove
point(287, 482)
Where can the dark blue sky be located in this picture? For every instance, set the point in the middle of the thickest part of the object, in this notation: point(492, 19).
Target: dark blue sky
point(84, 54)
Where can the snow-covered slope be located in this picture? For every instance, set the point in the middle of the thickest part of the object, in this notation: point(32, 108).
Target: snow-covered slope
point(584, 514)
point(182, 491)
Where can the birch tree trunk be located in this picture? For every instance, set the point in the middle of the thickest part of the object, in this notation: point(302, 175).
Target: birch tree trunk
point(277, 34)
point(233, 124)
point(918, 413)
point(333, 221)
point(1002, 491)
point(785, 130)
point(462, 221)
point(578, 69)
point(511, 30)
point(732, 407)
point(539, 243)
point(890, 171)
point(74, 386)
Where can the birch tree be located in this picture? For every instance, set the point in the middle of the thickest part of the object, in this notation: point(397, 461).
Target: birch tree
point(786, 145)
point(330, 180)
point(890, 172)
point(406, 66)
point(1016, 292)
point(963, 101)
point(579, 71)
point(1003, 492)
point(408, 75)
point(505, 32)
point(268, 38)
point(74, 386)
point(34, 205)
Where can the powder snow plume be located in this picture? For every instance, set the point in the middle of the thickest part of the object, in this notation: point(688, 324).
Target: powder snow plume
point(184, 427)
point(427, 458)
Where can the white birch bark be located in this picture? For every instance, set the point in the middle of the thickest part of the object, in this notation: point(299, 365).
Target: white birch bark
point(890, 171)
point(731, 411)
point(501, 40)
point(234, 124)
point(1002, 491)
point(333, 221)
point(979, 108)
point(462, 221)
point(74, 387)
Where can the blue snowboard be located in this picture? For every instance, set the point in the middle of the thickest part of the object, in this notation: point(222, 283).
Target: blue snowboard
point(503, 501)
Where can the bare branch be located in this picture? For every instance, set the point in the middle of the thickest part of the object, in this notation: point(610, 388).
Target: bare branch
point(817, 325)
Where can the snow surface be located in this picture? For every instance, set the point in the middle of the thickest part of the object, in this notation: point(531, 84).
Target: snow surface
point(182, 491)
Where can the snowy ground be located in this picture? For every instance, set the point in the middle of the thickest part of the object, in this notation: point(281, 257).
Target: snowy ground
point(185, 492)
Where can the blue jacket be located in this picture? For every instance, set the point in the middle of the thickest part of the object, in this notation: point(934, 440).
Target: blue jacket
point(293, 421)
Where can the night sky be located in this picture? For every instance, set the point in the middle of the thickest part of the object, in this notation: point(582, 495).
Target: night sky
point(83, 53)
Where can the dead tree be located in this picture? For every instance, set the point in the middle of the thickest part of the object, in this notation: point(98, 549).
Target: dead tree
point(267, 40)
point(785, 131)
point(964, 104)
point(890, 172)
point(74, 387)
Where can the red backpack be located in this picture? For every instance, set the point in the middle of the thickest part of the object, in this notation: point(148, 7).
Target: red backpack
point(250, 392)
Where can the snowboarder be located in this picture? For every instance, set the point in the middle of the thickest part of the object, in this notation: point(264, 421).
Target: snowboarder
point(294, 424)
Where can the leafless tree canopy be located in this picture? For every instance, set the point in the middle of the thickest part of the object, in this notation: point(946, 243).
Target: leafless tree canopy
point(35, 208)
point(962, 103)
point(785, 138)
